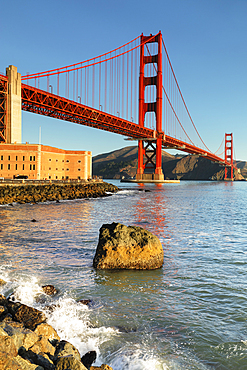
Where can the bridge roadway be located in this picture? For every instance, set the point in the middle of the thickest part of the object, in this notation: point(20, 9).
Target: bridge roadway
point(41, 102)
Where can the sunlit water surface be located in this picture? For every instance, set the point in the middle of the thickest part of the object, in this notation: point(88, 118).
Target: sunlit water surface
point(191, 314)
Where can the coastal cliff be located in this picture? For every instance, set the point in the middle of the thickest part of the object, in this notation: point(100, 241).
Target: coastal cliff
point(123, 163)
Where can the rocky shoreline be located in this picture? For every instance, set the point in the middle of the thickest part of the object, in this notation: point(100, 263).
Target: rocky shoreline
point(27, 342)
point(53, 192)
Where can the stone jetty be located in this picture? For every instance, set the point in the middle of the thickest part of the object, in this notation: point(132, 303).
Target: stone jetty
point(53, 192)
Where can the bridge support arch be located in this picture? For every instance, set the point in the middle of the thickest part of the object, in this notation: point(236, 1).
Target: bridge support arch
point(150, 156)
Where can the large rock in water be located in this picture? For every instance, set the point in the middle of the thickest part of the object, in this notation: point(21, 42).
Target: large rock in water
point(127, 247)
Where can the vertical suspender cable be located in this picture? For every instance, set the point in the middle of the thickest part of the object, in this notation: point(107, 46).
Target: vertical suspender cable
point(123, 89)
point(99, 82)
point(127, 95)
point(81, 86)
point(58, 83)
point(106, 85)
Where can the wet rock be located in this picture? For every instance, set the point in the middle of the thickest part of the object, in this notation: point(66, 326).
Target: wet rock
point(47, 331)
point(42, 193)
point(49, 290)
point(7, 346)
point(12, 306)
point(41, 359)
point(27, 365)
point(33, 220)
point(65, 348)
point(3, 311)
point(6, 318)
point(87, 302)
point(8, 363)
point(89, 358)
point(24, 349)
point(102, 367)
point(29, 316)
point(42, 346)
point(3, 300)
point(125, 329)
point(70, 363)
point(14, 333)
point(127, 247)
point(30, 338)
point(2, 282)
point(21, 336)
point(52, 307)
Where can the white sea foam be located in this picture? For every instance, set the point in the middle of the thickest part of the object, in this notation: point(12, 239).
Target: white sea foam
point(125, 192)
point(136, 359)
point(27, 290)
point(72, 322)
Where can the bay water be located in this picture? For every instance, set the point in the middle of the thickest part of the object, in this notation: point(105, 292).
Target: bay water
point(190, 314)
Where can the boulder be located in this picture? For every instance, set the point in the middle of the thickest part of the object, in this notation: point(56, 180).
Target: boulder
point(64, 349)
point(2, 282)
point(22, 337)
point(7, 346)
point(43, 346)
point(3, 300)
point(41, 359)
point(49, 290)
point(127, 247)
point(89, 358)
point(15, 333)
point(86, 302)
point(102, 367)
point(69, 363)
point(27, 365)
point(47, 331)
point(29, 316)
point(3, 311)
point(8, 363)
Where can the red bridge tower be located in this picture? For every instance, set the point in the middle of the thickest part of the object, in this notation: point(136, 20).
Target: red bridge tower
point(150, 153)
point(229, 155)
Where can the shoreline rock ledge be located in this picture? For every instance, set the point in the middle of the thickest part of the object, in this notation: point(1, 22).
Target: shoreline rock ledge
point(127, 247)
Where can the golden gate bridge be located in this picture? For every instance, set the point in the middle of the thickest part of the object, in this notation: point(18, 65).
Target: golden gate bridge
point(132, 91)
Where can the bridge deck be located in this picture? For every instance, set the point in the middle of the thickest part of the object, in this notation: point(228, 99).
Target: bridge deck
point(47, 104)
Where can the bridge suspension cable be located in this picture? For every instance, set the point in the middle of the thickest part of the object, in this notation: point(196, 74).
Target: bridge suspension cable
point(180, 93)
point(110, 83)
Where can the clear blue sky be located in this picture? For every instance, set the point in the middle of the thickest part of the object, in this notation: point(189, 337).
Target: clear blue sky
point(206, 42)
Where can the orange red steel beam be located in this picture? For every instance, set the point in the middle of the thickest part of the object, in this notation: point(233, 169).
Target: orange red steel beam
point(47, 104)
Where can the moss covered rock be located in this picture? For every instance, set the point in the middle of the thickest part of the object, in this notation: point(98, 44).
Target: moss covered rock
point(127, 247)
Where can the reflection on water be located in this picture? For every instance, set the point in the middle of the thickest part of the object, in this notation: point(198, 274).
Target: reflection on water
point(151, 210)
point(190, 314)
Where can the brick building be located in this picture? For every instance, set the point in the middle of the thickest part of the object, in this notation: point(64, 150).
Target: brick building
point(44, 162)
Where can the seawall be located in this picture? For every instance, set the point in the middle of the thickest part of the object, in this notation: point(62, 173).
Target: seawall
point(26, 193)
